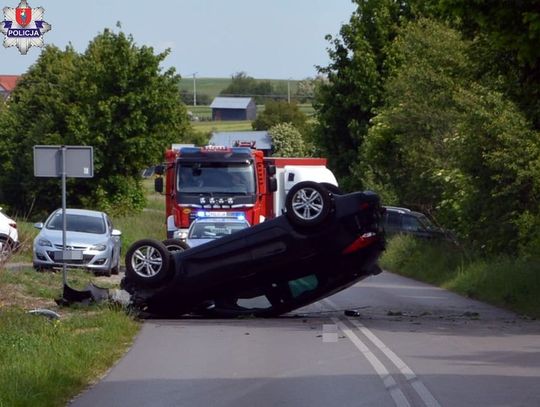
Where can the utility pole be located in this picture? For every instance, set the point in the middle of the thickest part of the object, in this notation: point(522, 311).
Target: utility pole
point(194, 89)
point(289, 90)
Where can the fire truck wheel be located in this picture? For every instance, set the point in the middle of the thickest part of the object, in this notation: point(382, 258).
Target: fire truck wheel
point(332, 188)
point(308, 204)
point(175, 245)
point(147, 262)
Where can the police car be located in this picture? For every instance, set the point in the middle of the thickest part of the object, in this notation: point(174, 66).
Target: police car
point(213, 225)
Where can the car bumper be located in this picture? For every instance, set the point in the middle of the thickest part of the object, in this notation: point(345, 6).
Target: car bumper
point(92, 259)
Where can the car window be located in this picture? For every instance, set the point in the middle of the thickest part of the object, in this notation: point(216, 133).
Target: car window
point(204, 230)
point(411, 223)
point(303, 285)
point(424, 220)
point(393, 219)
point(77, 223)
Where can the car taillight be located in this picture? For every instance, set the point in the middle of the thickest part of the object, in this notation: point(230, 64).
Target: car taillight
point(13, 225)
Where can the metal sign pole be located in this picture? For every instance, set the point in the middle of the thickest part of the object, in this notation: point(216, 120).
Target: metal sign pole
point(76, 162)
point(64, 220)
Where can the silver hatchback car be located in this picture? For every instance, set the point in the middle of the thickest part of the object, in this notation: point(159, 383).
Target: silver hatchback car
point(89, 231)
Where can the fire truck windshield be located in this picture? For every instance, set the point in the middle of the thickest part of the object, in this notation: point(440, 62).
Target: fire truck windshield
point(216, 178)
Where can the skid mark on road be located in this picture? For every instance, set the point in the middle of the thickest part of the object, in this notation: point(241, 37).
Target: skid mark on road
point(389, 382)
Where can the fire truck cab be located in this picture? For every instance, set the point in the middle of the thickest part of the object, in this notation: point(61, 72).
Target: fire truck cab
point(230, 179)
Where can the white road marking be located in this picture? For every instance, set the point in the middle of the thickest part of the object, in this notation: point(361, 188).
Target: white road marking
point(422, 391)
point(389, 383)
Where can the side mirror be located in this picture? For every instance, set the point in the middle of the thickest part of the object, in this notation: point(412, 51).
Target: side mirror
point(271, 169)
point(159, 169)
point(116, 232)
point(158, 185)
point(38, 225)
point(272, 184)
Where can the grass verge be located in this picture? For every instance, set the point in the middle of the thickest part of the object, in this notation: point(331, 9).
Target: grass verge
point(44, 362)
point(507, 282)
point(47, 362)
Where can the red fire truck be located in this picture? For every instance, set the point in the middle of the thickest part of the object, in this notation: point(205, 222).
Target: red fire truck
point(230, 181)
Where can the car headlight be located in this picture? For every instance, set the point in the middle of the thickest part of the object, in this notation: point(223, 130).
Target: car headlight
point(99, 247)
point(44, 242)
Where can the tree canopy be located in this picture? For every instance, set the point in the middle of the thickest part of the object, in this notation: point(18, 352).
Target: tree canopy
point(434, 104)
point(287, 141)
point(114, 97)
point(276, 112)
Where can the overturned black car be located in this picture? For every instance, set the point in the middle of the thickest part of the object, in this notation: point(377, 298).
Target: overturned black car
point(324, 243)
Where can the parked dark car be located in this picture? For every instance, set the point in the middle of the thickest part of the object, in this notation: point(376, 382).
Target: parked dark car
point(398, 220)
point(324, 243)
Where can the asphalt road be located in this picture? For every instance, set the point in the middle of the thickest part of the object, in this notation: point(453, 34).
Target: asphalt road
point(410, 345)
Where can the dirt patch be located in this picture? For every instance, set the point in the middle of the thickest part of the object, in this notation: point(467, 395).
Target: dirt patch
point(14, 295)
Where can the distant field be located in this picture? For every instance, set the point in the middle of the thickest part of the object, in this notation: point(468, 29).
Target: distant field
point(204, 112)
point(208, 86)
point(213, 86)
point(209, 126)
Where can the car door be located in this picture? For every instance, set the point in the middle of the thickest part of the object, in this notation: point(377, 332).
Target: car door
point(392, 222)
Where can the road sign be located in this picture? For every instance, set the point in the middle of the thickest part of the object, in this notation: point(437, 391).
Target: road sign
point(79, 161)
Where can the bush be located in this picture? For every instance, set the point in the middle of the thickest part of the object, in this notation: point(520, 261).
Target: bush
point(287, 141)
point(501, 280)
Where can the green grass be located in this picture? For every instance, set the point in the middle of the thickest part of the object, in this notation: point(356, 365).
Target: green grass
point(46, 363)
point(210, 126)
point(512, 283)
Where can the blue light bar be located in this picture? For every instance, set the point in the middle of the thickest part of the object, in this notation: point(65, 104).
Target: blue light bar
point(221, 214)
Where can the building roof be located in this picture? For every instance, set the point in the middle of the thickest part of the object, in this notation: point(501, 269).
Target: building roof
point(229, 138)
point(8, 82)
point(230, 103)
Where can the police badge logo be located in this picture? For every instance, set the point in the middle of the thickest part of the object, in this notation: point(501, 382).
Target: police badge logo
point(23, 27)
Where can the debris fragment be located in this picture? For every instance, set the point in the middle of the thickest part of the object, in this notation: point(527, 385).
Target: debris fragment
point(45, 312)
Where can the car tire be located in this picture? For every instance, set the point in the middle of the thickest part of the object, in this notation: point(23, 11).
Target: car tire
point(175, 245)
point(147, 262)
point(308, 204)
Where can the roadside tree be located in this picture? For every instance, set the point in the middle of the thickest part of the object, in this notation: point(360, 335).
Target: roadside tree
point(287, 141)
point(276, 112)
point(346, 102)
point(113, 97)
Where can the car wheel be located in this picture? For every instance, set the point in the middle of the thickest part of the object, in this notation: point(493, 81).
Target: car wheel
point(175, 245)
point(308, 203)
point(147, 262)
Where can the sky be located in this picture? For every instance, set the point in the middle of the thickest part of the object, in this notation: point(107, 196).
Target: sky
point(267, 39)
